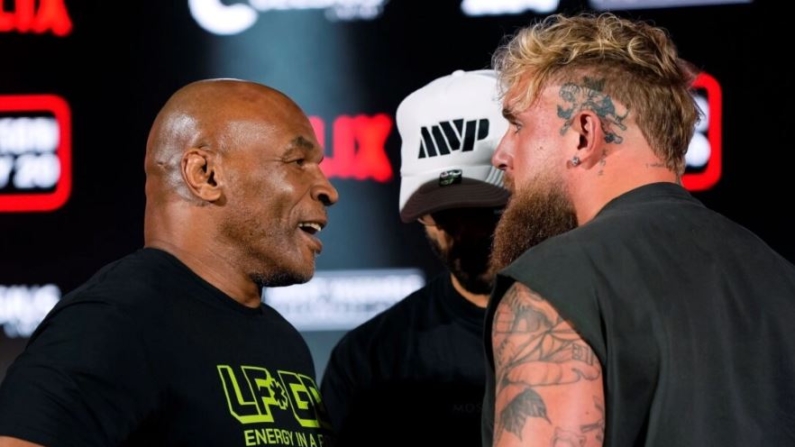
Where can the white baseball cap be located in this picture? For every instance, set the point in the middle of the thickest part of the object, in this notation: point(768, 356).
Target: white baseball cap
point(449, 130)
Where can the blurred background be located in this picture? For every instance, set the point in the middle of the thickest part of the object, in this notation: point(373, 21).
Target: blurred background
point(82, 80)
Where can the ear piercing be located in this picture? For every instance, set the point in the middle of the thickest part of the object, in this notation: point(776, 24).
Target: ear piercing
point(575, 161)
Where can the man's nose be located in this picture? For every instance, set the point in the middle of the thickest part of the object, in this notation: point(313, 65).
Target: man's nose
point(324, 191)
point(501, 157)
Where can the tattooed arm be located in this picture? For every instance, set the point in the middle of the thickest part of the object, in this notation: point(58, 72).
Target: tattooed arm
point(549, 381)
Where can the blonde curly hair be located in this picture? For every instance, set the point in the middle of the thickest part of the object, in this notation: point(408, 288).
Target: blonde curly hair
point(634, 62)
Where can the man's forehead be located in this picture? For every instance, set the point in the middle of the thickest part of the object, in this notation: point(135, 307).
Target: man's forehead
point(519, 100)
point(512, 106)
point(280, 134)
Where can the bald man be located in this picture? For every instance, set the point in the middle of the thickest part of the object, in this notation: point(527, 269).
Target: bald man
point(172, 345)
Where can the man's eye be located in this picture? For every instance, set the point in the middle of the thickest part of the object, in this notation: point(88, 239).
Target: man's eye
point(299, 161)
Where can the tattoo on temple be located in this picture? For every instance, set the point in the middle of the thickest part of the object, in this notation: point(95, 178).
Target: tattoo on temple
point(589, 95)
point(534, 347)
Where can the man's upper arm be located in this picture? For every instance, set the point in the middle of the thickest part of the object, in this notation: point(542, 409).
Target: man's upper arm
point(14, 442)
point(549, 385)
point(85, 379)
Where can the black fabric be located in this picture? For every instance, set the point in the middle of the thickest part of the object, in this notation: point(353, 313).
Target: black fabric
point(689, 313)
point(412, 375)
point(146, 353)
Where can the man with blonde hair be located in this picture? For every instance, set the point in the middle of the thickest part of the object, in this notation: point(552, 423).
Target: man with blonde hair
point(651, 320)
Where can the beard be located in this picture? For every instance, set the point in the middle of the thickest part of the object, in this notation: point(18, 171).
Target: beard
point(279, 279)
point(266, 252)
point(468, 260)
point(535, 213)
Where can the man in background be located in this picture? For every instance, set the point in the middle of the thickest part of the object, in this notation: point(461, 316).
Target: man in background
point(415, 373)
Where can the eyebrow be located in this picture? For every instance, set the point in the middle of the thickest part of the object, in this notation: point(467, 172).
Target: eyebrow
point(297, 144)
point(508, 114)
point(302, 142)
point(301, 145)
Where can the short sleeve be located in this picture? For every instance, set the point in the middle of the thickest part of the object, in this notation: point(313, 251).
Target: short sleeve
point(84, 379)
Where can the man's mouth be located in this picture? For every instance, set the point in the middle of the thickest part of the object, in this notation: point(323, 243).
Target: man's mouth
point(312, 228)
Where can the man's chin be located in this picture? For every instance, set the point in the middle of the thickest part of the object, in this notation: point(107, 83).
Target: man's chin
point(469, 264)
point(479, 287)
point(529, 219)
point(286, 277)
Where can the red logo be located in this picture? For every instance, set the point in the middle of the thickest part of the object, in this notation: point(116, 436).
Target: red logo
point(357, 147)
point(35, 153)
point(705, 150)
point(25, 17)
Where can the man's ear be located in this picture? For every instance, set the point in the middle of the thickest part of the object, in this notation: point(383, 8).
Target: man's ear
point(591, 143)
point(202, 174)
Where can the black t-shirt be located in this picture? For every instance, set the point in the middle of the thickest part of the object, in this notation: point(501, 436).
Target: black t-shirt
point(146, 353)
point(690, 315)
point(412, 375)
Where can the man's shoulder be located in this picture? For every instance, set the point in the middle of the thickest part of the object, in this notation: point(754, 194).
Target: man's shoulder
point(129, 280)
point(396, 314)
